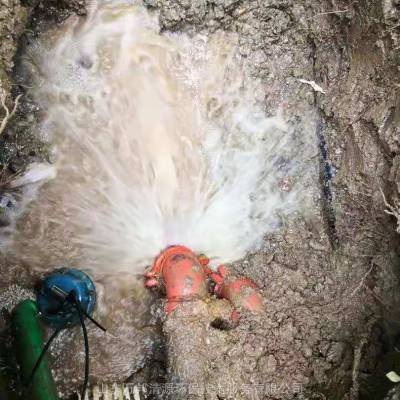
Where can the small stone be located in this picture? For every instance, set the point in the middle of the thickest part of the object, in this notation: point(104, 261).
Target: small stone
point(335, 352)
point(150, 3)
point(268, 364)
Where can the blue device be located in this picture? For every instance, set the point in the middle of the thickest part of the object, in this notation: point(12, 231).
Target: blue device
point(54, 297)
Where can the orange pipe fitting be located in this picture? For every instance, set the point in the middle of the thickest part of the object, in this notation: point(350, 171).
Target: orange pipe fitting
point(185, 277)
point(182, 275)
point(242, 292)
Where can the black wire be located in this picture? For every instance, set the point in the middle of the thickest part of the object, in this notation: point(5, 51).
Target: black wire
point(81, 313)
point(86, 341)
point(72, 298)
point(92, 319)
point(40, 358)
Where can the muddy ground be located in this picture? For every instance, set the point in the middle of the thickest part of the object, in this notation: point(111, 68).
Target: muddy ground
point(330, 281)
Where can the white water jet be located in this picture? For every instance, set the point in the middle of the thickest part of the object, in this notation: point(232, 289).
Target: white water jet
point(158, 140)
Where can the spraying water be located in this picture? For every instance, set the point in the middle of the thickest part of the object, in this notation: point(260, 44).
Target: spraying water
point(158, 140)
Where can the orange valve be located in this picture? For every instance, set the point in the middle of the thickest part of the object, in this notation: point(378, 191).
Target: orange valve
point(182, 275)
point(242, 292)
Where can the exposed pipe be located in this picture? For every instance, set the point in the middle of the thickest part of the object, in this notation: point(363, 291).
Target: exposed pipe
point(28, 333)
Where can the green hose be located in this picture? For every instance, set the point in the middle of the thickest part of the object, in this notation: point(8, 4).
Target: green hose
point(28, 346)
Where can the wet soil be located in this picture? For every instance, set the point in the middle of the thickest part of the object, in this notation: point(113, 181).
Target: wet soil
point(329, 280)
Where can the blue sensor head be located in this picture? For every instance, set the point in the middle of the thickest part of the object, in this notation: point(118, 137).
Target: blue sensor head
point(53, 302)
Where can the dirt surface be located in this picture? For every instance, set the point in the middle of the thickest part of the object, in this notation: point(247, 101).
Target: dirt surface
point(20, 20)
point(330, 280)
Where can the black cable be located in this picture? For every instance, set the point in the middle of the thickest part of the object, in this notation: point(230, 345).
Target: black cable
point(41, 356)
point(81, 313)
point(92, 319)
point(72, 298)
point(86, 342)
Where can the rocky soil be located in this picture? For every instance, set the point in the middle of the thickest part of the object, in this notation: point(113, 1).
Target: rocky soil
point(330, 280)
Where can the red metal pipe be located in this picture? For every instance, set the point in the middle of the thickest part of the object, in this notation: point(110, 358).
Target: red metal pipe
point(181, 273)
point(185, 276)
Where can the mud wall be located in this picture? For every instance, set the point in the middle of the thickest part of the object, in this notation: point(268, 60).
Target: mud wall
point(15, 15)
point(329, 279)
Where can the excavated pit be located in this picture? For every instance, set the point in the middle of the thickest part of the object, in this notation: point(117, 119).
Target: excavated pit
point(330, 280)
